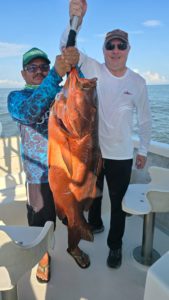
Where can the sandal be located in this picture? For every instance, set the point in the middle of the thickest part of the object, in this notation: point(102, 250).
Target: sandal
point(81, 258)
point(43, 271)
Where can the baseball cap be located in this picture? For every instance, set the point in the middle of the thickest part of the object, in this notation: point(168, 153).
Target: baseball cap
point(34, 53)
point(117, 34)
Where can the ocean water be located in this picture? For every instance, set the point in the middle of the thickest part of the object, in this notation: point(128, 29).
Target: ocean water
point(159, 101)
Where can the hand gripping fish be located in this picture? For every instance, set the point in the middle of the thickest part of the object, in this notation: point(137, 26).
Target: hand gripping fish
point(74, 155)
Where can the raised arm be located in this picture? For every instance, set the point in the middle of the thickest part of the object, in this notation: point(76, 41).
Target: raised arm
point(77, 8)
point(27, 107)
point(68, 59)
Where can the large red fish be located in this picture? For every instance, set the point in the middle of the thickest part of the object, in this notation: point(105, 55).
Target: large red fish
point(74, 155)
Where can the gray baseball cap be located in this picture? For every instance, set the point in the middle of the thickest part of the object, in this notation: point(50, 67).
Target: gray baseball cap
point(117, 34)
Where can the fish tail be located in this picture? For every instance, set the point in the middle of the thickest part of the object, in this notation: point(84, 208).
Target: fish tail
point(77, 233)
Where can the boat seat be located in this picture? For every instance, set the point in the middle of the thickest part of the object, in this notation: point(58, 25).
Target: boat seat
point(135, 201)
point(157, 280)
point(158, 193)
point(21, 248)
point(148, 199)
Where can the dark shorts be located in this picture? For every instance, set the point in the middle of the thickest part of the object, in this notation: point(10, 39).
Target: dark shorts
point(40, 206)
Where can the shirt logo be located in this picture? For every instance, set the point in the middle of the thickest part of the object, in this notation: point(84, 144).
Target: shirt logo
point(127, 93)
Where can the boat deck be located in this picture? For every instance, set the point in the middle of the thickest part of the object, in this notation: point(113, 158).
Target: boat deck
point(69, 282)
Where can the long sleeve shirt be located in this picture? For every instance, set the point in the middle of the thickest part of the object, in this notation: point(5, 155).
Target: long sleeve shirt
point(118, 98)
point(30, 109)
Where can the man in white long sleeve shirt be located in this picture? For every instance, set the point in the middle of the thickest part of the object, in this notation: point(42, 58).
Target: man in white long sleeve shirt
point(120, 92)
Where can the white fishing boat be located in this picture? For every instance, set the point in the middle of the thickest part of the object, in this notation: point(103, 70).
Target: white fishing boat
point(68, 281)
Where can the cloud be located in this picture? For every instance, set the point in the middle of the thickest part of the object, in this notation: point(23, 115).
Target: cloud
point(12, 50)
point(6, 83)
point(153, 77)
point(152, 23)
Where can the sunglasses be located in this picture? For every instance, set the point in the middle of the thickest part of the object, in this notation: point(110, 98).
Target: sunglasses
point(34, 68)
point(121, 46)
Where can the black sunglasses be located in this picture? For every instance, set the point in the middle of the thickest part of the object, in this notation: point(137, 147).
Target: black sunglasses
point(121, 46)
point(34, 68)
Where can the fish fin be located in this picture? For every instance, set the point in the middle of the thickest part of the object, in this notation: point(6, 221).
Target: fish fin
point(77, 233)
point(99, 165)
point(67, 158)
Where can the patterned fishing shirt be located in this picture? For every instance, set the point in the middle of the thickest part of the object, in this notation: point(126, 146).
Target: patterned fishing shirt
point(30, 109)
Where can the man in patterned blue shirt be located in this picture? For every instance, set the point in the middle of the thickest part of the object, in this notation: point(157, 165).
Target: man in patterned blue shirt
point(30, 109)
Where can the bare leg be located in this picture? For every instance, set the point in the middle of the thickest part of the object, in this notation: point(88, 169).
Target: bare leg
point(43, 270)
